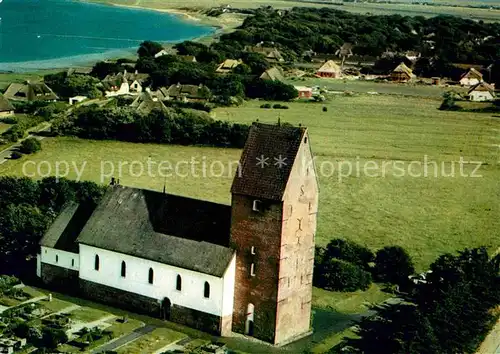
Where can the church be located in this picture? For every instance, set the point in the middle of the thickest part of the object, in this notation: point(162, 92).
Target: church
point(245, 267)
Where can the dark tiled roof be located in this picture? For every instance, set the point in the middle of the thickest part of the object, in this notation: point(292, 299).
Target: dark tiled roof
point(268, 141)
point(5, 105)
point(183, 232)
point(63, 232)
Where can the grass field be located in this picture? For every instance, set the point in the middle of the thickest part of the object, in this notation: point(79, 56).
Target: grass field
point(426, 215)
point(361, 86)
point(151, 342)
point(360, 7)
point(7, 78)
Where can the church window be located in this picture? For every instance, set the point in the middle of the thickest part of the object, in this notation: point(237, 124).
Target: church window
point(252, 270)
point(305, 140)
point(96, 262)
point(206, 292)
point(57, 258)
point(124, 269)
point(252, 250)
point(73, 262)
point(178, 284)
point(151, 276)
point(256, 205)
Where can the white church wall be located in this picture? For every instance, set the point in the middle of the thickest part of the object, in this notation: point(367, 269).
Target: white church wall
point(60, 258)
point(229, 284)
point(164, 282)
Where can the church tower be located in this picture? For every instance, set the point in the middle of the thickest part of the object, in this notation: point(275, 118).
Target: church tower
point(273, 225)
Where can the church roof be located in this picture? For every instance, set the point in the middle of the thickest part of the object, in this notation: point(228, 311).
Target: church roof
point(179, 231)
point(267, 180)
point(64, 230)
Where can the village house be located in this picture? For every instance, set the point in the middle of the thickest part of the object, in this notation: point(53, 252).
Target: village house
point(145, 103)
point(330, 70)
point(271, 54)
point(482, 91)
point(272, 74)
point(30, 92)
point(412, 55)
point(402, 73)
point(185, 93)
point(228, 66)
point(124, 83)
point(304, 91)
point(471, 77)
point(6, 108)
point(187, 58)
point(77, 99)
point(202, 264)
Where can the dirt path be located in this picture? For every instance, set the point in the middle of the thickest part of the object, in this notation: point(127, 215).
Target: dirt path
point(491, 344)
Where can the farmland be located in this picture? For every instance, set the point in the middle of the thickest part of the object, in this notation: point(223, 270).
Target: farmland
point(401, 8)
point(427, 215)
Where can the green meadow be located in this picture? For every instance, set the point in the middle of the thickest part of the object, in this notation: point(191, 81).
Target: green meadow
point(392, 170)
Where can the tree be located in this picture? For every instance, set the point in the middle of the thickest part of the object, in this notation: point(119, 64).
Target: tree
point(339, 275)
point(349, 251)
point(30, 146)
point(51, 337)
point(190, 48)
point(102, 69)
point(395, 329)
point(393, 265)
point(449, 102)
point(149, 49)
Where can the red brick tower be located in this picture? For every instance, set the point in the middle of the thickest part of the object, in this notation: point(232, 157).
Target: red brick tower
point(273, 224)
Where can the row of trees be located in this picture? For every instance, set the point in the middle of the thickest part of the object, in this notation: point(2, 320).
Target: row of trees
point(27, 208)
point(324, 30)
point(174, 126)
point(347, 266)
point(451, 312)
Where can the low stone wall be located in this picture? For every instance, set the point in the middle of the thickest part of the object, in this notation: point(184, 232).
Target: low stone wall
point(120, 298)
point(59, 278)
point(196, 319)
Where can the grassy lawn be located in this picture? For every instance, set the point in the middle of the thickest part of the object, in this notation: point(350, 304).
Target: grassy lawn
point(7, 78)
point(33, 292)
point(4, 127)
point(155, 340)
point(8, 301)
point(348, 303)
point(333, 340)
point(87, 314)
point(426, 215)
point(362, 86)
point(119, 329)
point(55, 305)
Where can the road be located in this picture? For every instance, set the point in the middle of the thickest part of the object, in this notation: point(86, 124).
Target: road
point(139, 332)
point(5, 154)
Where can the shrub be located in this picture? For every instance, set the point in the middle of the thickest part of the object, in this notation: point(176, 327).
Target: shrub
point(30, 146)
point(393, 265)
point(265, 105)
point(325, 109)
point(349, 251)
point(16, 155)
point(279, 106)
point(339, 275)
point(51, 337)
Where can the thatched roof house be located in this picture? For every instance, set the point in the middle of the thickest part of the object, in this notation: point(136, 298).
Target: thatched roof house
point(6, 108)
point(329, 69)
point(30, 92)
point(481, 92)
point(228, 65)
point(273, 74)
point(402, 73)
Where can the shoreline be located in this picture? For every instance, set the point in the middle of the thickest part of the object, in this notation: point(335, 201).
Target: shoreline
point(90, 59)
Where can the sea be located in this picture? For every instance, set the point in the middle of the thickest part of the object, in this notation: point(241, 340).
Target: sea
point(43, 34)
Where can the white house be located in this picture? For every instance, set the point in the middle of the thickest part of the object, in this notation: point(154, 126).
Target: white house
point(471, 77)
point(482, 92)
point(124, 83)
point(77, 99)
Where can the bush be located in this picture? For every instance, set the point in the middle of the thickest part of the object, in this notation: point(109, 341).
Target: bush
point(279, 106)
point(265, 105)
point(51, 337)
point(30, 146)
point(325, 109)
point(16, 155)
point(393, 265)
point(339, 275)
point(349, 251)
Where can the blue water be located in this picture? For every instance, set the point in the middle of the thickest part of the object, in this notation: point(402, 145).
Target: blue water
point(59, 33)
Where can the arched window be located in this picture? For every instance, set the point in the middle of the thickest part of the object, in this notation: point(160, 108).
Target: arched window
point(124, 269)
point(96, 262)
point(151, 276)
point(57, 258)
point(178, 284)
point(206, 292)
